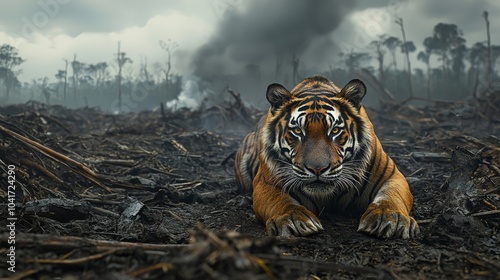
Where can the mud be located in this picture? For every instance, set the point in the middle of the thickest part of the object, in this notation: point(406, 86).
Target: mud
point(159, 199)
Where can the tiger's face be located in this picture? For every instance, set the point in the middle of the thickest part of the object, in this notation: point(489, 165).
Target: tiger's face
point(318, 142)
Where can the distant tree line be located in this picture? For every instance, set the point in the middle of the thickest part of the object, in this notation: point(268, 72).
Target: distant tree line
point(452, 71)
point(460, 71)
point(110, 86)
point(9, 62)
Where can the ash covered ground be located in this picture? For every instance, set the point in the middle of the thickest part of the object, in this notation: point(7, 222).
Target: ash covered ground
point(152, 195)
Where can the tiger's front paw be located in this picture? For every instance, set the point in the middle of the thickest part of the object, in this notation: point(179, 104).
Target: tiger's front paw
point(297, 222)
point(383, 220)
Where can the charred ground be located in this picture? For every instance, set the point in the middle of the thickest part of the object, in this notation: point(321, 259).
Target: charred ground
point(152, 195)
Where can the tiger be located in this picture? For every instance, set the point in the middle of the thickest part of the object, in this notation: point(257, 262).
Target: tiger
point(316, 150)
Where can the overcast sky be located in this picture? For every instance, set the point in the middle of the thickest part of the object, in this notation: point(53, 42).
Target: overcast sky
point(47, 31)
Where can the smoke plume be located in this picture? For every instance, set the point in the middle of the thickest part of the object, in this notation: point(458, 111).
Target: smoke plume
point(256, 45)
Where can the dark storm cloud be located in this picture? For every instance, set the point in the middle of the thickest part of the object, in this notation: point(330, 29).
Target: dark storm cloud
point(73, 17)
point(266, 29)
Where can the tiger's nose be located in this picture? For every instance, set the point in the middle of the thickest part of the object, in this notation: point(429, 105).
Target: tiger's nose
point(317, 169)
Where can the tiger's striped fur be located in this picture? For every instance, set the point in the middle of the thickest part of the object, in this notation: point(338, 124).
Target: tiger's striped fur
point(316, 150)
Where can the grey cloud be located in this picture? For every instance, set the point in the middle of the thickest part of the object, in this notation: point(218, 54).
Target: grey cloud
point(264, 30)
point(74, 17)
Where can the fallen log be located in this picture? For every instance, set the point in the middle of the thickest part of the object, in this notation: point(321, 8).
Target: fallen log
point(47, 242)
point(62, 210)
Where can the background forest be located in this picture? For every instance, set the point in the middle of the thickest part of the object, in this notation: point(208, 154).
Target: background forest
point(448, 68)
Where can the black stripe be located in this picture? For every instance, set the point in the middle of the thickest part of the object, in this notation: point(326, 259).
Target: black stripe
point(360, 155)
point(375, 186)
point(315, 92)
point(328, 107)
point(250, 171)
point(271, 127)
point(253, 157)
point(255, 169)
point(301, 115)
point(272, 154)
point(284, 151)
point(354, 139)
point(316, 105)
point(342, 139)
point(369, 170)
point(301, 86)
point(324, 95)
point(360, 130)
point(271, 135)
point(280, 132)
point(345, 116)
point(315, 97)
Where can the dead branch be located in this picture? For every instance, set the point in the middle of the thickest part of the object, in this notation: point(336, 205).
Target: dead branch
point(58, 157)
point(73, 242)
point(487, 214)
point(40, 168)
point(58, 122)
point(105, 212)
point(23, 274)
point(165, 267)
point(74, 261)
point(239, 107)
point(374, 79)
point(118, 162)
point(431, 156)
point(63, 210)
point(179, 146)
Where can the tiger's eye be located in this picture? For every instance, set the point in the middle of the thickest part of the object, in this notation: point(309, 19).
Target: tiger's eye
point(297, 130)
point(335, 130)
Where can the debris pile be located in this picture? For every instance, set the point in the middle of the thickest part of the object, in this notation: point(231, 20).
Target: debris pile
point(152, 195)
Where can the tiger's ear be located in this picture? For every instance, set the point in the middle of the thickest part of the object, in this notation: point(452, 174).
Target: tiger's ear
point(354, 92)
point(277, 95)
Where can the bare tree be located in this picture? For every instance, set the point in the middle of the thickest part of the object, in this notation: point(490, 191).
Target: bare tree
point(168, 47)
point(144, 72)
point(121, 59)
point(406, 47)
point(446, 37)
point(380, 52)
point(355, 60)
point(295, 68)
point(425, 58)
point(391, 43)
point(43, 84)
point(62, 78)
point(490, 68)
point(97, 73)
point(102, 72)
point(458, 54)
point(65, 81)
point(77, 67)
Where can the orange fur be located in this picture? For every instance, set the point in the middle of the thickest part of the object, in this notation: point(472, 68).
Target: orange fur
point(316, 149)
